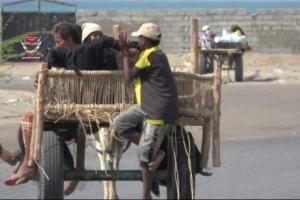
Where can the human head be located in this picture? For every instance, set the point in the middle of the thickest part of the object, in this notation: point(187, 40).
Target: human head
point(205, 28)
point(149, 35)
point(90, 32)
point(235, 28)
point(66, 35)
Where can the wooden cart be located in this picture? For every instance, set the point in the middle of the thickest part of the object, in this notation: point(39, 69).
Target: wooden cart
point(95, 97)
point(225, 58)
point(64, 97)
point(221, 53)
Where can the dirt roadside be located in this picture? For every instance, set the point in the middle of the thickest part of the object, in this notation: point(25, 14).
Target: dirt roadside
point(258, 68)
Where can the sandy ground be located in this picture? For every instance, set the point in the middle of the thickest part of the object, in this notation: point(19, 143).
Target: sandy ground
point(258, 68)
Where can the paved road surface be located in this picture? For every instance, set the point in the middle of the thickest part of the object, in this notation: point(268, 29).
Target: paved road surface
point(260, 133)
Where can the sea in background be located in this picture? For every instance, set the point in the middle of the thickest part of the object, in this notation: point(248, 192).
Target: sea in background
point(250, 6)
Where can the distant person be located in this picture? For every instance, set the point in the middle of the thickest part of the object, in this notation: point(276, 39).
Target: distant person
point(207, 38)
point(206, 41)
point(238, 31)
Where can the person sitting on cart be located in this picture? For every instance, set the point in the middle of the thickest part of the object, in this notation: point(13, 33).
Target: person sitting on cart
point(91, 32)
point(157, 100)
point(207, 38)
point(235, 29)
point(205, 43)
point(67, 39)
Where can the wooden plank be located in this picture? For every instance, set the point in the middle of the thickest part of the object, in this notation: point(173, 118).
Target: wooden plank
point(207, 129)
point(31, 162)
point(106, 175)
point(187, 121)
point(220, 51)
point(194, 45)
point(39, 112)
point(80, 156)
point(216, 118)
point(117, 28)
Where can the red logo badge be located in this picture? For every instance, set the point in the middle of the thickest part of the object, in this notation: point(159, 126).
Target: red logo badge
point(31, 46)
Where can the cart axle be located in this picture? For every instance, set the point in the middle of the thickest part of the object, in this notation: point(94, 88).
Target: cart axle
point(121, 175)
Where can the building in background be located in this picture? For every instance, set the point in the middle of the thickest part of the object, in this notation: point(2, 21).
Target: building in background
point(21, 19)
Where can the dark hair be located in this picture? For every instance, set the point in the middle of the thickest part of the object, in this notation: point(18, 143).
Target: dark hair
point(234, 28)
point(79, 31)
point(65, 30)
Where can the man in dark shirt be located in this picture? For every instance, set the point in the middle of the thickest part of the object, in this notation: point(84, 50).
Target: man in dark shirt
point(157, 100)
point(73, 55)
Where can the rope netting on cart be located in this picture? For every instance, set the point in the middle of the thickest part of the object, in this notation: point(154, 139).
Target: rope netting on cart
point(103, 94)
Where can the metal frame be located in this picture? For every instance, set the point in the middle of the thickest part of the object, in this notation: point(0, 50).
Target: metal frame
point(39, 3)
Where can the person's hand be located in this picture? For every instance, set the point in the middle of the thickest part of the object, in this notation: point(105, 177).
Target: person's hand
point(133, 54)
point(123, 44)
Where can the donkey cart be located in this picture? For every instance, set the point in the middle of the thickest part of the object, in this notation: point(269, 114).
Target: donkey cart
point(228, 56)
point(66, 100)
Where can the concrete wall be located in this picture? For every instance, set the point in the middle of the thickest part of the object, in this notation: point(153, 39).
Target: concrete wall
point(0, 33)
point(268, 31)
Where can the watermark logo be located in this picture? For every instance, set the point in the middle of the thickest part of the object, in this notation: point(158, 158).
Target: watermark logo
point(31, 46)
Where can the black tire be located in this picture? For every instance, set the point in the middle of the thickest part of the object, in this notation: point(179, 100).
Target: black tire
point(203, 64)
point(206, 64)
point(210, 64)
point(186, 186)
point(52, 163)
point(238, 65)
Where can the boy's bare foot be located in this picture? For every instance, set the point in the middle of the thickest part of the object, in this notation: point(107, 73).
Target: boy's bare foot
point(8, 157)
point(71, 186)
point(158, 158)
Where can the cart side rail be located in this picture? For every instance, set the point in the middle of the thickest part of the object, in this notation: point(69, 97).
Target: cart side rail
point(65, 93)
point(100, 95)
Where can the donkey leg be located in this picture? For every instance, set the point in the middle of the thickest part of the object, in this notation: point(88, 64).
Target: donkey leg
point(117, 154)
point(102, 161)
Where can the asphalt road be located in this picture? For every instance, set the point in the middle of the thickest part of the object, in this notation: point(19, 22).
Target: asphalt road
point(260, 136)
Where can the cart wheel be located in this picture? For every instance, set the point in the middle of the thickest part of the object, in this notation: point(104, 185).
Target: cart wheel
point(52, 163)
point(186, 185)
point(203, 64)
point(238, 61)
point(206, 64)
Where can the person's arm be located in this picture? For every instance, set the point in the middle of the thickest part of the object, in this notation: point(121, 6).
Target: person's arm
point(107, 42)
point(126, 68)
point(133, 52)
point(124, 48)
point(57, 57)
point(104, 42)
